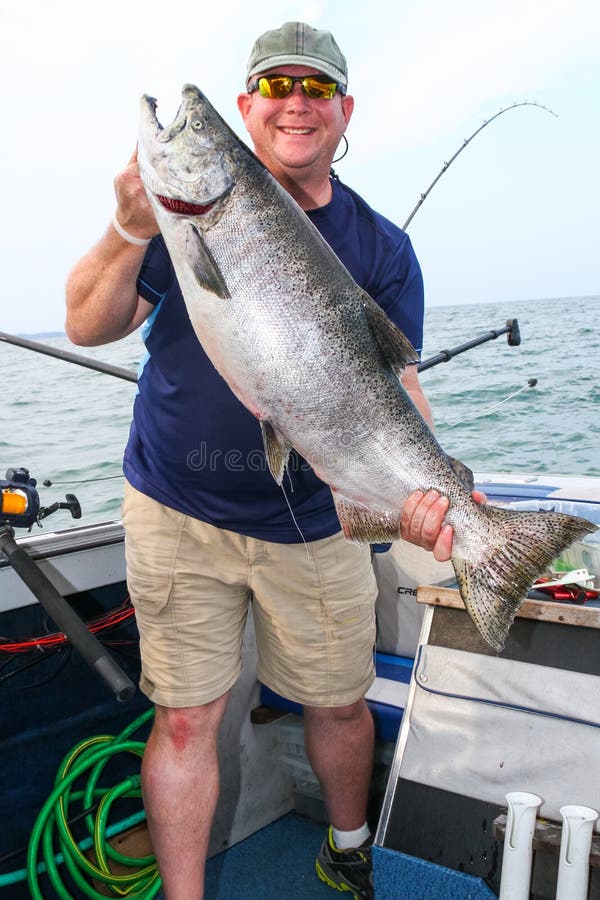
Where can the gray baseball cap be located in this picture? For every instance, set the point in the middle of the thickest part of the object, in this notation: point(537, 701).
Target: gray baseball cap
point(298, 44)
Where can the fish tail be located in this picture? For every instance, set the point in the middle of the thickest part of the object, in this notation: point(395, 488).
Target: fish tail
point(527, 542)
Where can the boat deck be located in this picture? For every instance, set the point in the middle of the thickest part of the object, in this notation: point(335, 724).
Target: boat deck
point(277, 861)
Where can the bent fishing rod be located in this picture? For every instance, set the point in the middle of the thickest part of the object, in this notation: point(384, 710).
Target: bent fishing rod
point(511, 330)
point(464, 144)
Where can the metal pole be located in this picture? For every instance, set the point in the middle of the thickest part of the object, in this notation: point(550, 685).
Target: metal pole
point(76, 358)
point(513, 338)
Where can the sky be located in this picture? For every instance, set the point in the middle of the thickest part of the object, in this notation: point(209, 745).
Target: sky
point(513, 218)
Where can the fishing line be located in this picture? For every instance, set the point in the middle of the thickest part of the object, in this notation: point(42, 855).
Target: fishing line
point(560, 442)
point(294, 518)
point(289, 478)
point(48, 483)
point(530, 384)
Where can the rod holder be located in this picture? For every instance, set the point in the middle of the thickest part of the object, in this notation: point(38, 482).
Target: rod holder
point(574, 856)
point(518, 845)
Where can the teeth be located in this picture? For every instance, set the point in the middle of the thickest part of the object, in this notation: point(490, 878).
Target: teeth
point(297, 130)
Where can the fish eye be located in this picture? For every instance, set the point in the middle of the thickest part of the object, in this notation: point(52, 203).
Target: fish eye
point(197, 124)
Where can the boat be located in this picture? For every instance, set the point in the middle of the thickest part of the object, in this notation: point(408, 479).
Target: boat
point(74, 724)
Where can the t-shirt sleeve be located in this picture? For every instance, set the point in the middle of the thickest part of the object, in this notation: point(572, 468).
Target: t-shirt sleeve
point(157, 274)
point(399, 291)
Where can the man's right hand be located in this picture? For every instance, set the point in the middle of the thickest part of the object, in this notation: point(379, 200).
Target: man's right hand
point(134, 212)
point(101, 291)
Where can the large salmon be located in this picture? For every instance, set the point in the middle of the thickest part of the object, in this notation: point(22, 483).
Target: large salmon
point(317, 361)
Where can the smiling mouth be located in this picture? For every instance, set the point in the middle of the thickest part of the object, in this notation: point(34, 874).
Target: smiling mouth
point(289, 130)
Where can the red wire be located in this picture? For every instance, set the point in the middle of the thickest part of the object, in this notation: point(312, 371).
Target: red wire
point(111, 619)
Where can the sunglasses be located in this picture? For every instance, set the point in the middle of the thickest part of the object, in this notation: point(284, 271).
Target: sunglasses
point(317, 87)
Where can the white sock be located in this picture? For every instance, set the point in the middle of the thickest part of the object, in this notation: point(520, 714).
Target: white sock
point(344, 840)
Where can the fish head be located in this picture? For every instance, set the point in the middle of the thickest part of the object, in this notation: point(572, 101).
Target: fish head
point(188, 168)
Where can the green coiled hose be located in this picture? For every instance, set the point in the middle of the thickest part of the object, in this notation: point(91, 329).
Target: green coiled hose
point(52, 831)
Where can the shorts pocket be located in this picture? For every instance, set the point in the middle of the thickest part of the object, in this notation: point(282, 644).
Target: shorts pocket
point(149, 595)
point(353, 623)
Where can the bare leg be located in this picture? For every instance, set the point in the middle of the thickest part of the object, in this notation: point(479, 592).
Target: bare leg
point(180, 783)
point(339, 745)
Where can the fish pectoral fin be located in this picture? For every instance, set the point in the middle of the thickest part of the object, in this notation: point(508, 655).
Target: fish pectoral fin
point(395, 346)
point(277, 450)
point(363, 524)
point(207, 272)
point(462, 472)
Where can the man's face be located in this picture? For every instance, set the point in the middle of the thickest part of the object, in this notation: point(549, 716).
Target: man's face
point(295, 133)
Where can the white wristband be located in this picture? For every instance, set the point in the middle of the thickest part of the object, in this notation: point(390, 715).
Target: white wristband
point(139, 242)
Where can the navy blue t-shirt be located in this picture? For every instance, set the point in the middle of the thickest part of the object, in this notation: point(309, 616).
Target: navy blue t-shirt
point(193, 446)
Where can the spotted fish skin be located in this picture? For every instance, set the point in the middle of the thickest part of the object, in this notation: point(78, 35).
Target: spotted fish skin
point(317, 361)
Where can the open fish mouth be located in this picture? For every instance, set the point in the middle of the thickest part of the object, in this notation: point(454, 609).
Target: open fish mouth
point(185, 208)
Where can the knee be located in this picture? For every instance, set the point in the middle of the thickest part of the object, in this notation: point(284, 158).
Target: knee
point(189, 724)
point(175, 724)
point(337, 714)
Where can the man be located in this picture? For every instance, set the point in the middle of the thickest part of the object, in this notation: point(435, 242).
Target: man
point(203, 539)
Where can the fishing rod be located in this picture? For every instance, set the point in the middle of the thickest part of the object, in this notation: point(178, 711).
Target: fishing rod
point(467, 141)
point(513, 337)
point(66, 355)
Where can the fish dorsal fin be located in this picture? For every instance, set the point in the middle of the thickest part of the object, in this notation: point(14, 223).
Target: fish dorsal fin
point(395, 346)
point(277, 450)
point(207, 272)
point(462, 472)
point(365, 525)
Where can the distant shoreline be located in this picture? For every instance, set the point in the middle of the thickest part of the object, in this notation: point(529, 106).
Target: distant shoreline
point(428, 305)
point(41, 334)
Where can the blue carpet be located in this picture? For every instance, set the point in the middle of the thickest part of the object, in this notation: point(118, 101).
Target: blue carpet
point(421, 880)
point(277, 861)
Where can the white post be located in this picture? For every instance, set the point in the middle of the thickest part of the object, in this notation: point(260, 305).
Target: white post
point(518, 845)
point(574, 858)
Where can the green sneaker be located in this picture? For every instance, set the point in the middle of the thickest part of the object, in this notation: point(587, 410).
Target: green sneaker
point(346, 870)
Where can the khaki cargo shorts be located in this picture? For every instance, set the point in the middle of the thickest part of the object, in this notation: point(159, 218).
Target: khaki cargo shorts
point(192, 584)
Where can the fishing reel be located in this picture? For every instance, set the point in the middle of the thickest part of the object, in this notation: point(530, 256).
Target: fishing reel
point(20, 501)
